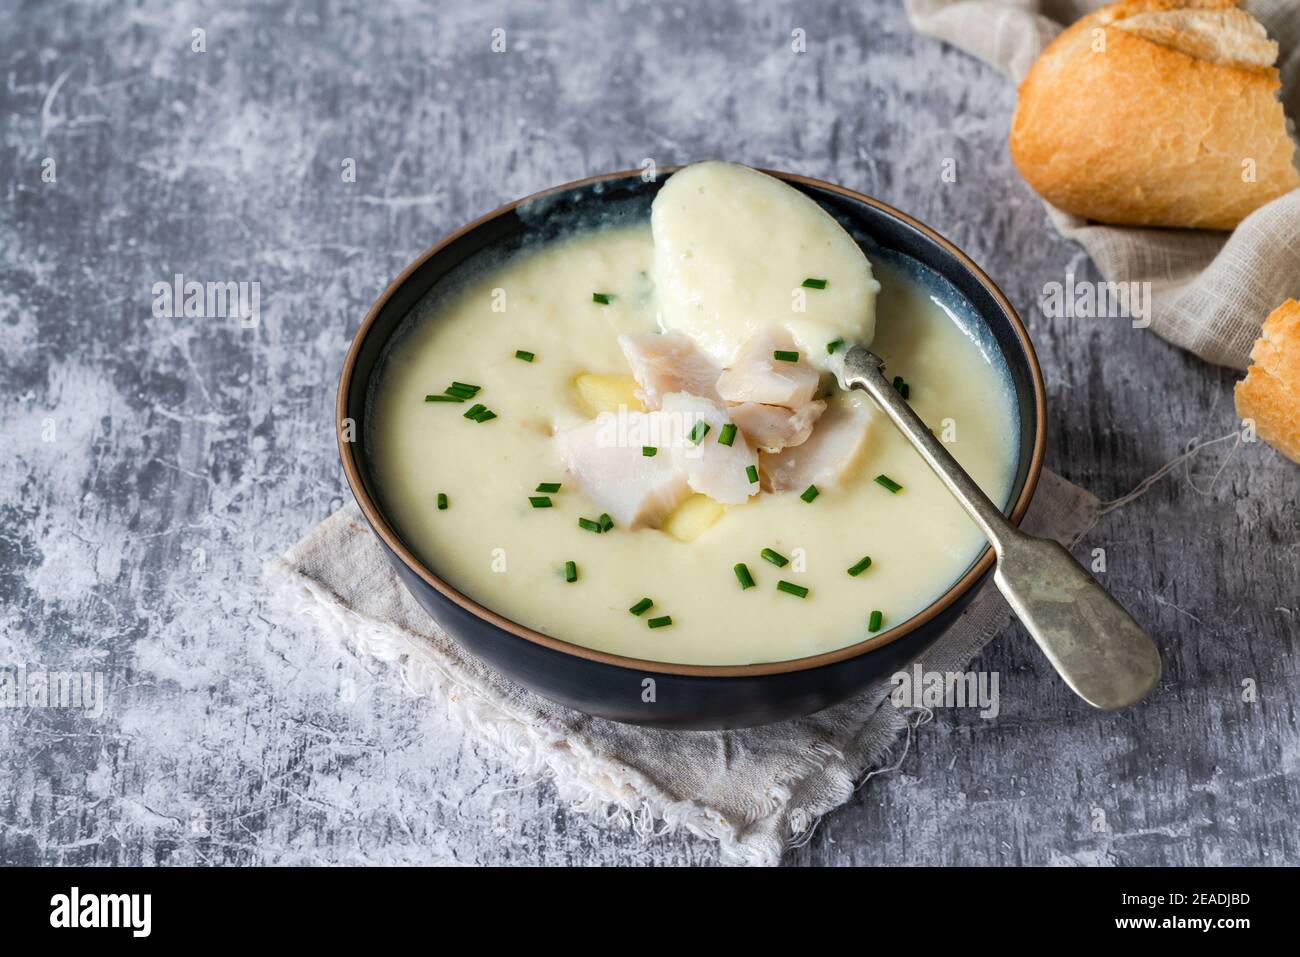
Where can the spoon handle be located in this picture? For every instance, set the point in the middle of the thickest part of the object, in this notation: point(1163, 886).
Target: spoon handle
point(1105, 656)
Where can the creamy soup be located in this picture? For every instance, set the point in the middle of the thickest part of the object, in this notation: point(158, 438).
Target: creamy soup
point(537, 376)
point(729, 240)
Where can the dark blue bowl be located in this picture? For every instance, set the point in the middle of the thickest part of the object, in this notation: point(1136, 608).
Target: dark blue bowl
point(649, 692)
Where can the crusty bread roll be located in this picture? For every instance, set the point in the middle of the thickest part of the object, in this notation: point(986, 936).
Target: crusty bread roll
point(1270, 393)
point(1156, 113)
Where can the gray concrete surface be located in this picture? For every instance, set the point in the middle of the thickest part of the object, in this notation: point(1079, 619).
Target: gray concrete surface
point(151, 464)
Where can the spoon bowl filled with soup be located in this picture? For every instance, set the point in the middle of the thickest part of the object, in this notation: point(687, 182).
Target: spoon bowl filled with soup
point(599, 436)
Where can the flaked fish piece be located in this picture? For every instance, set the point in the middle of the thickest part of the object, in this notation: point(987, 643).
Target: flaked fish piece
point(713, 469)
point(668, 362)
point(772, 428)
point(758, 376)
point(828, 455)
point(605, 457)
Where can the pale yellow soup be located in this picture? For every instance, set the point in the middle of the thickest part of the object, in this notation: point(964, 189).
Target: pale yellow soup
point(494, 547)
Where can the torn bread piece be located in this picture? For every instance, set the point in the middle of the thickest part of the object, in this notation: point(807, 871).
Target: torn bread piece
point(1211, 30)
point(1156, 113)
point(1270, 393)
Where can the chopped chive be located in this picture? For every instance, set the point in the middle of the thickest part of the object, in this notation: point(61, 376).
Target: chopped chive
point(660, 622)
point(602, 297)
point(461, 393)
point(790, 588)
point(784, 355)
point(475, 409)
point(641, 607)
point(834, 345)
point(861, 566)
point(465, 386)
point(877, 619)
point(699, 431)
point(906, 390)
point(525, 355)
point(743, 576)
point(751, 473)
point(486, 415)
point(606, 523)
point(649, 451)
point(589, 525)
point(539, 501)
point(898, 383)
point(443, 398)
point(727, 435)
point(886, 482)
point(548, 487)
point(776, 558)
point(810, 493)
point(442, 501)
point(570, 571)
point(814, 283)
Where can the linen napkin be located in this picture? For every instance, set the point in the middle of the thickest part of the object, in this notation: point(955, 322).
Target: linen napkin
point(1210, 291)
point(756, 791)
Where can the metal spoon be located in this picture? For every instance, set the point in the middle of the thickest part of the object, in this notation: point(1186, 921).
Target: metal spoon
point(1094, 644)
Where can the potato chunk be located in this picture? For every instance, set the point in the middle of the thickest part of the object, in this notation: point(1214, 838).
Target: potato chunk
point(692, 518)
point(605, 393)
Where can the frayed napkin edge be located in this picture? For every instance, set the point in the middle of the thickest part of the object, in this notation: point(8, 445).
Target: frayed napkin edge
point(627, 798)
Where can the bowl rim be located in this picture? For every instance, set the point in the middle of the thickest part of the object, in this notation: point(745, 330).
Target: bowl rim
point(951, 595)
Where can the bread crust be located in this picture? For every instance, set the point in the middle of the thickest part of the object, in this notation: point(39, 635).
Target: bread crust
point(1270, 393)
point(1116, 127)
